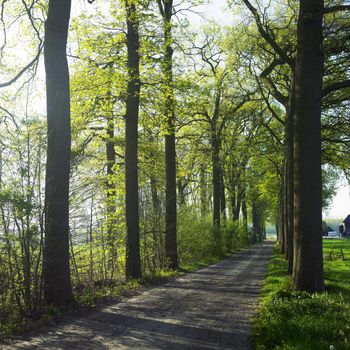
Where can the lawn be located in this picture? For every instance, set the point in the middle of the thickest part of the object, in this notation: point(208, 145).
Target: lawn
point(295, 320)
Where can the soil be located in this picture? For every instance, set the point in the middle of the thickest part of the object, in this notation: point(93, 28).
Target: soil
point(211, 308)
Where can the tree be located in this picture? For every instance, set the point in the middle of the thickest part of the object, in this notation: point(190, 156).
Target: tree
point(56, 270)
point(110, 182)
point(282, 51)
point(166, 11)
point(308, 258)
point(133, 261)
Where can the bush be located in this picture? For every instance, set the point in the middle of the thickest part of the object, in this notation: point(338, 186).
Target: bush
point(196, 239)
point(234, 237)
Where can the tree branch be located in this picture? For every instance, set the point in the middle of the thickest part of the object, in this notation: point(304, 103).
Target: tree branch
point(270, 84)
point(161, 8)
point(263, 32)
point(335, 87)
point(37, 56)
point(267, 126)
point(337, 8)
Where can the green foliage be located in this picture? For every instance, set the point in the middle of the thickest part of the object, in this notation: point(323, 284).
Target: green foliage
point(330, 178)
point(196, 241)
point(234, 237)
point(297, 320)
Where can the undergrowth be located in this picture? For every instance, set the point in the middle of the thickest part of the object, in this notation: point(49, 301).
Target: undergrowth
point(197, 248)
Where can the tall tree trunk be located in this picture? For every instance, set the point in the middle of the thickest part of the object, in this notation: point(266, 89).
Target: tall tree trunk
point(155, 197)
point(203, 192)
point(91, 241)
point(111, 191)
point(166, 8)
point(256, 222)
point(216, 166)
point(281, 217)
point(233, 202)
point(216, 178)
point(133, 261)
point(244, 211)
point(56, 270)
point(181, 192)
point(290, 177)
point(286, 205)
point(239, 201)
point(222, 195)
point(170, 195)
point(158, 243)
point(216, 169)
point(284, 208)
point(308, 259)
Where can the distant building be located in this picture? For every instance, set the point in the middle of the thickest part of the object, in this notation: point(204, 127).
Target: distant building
point(344, 227)
point(325, 229)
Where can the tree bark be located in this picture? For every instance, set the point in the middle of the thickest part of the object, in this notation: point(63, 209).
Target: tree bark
point(216, 179)
point(281, 217)
point(308, 259)
point(155, 197)
point(111, 189)
point(240, 194)
point(203, 193)
point(256, 223)
point(290, 177)
point(56, 270)
point(244, 211)
point(158, 242)
point(181, 192)
point(233, 202)
point(166, 7)
point(216, 165)
point(133, 261)
point(222, 195)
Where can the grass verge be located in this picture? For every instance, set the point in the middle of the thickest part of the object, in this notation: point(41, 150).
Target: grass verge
point(300, 321)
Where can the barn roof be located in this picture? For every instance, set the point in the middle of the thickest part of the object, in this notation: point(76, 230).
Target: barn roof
point(347, 220)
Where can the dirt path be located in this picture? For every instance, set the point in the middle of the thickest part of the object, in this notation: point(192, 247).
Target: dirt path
point(208, 309)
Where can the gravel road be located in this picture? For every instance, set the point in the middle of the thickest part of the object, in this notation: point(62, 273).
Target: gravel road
point(207, 309)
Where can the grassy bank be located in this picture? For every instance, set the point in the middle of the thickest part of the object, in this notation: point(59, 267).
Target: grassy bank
point(294, 320)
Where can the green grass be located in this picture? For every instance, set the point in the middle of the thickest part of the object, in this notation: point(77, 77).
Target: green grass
point(296, 320)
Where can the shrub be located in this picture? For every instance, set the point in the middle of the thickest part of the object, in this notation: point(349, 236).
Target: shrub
point(196, 239)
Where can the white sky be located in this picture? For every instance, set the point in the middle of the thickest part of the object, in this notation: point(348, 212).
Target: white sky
point(216, 9)
point(340, 206)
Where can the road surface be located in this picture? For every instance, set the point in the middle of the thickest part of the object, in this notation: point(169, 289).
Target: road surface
point(208, 309)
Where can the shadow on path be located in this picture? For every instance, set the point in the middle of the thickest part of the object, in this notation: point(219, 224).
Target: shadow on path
point(207, 309)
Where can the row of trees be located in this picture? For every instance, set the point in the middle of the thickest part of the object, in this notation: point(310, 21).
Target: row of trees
point(314, 89)
point(159, 126)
